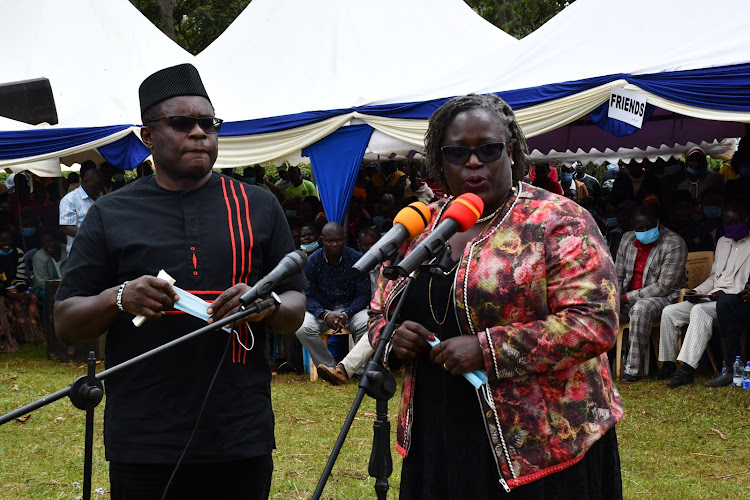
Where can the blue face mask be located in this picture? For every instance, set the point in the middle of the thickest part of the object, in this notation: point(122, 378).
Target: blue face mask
point(28, 232)
point(3, 252)
point(647, 237)
point(744, 171)
point(672, 169)
point(566, 177)
point(612, 222)
point(712, 212)
point(310, 247)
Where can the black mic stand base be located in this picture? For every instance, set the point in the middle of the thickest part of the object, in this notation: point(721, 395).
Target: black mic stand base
point(378, 383)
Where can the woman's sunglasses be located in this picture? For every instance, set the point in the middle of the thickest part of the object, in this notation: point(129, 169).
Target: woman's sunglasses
point(185, 124)
point(487, 153)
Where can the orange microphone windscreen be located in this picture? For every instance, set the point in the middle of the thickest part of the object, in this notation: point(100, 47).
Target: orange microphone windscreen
point(465, 210)
point(414, 218)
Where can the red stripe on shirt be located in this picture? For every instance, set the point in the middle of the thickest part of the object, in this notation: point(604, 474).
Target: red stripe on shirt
point(242, 236)
point(231, 227)
point(250, 234)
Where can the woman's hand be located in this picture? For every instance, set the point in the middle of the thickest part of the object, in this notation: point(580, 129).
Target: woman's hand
point(459, 355)
point(410, 341)
point(16, 294)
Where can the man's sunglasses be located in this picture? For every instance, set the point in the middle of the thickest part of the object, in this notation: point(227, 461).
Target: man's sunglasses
point(487, 153)
point(185, 124)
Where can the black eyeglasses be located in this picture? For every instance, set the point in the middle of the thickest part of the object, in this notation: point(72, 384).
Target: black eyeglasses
point(487, 153)
point(209, 124)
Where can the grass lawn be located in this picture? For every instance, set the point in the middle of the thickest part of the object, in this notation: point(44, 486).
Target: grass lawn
point(690, 442)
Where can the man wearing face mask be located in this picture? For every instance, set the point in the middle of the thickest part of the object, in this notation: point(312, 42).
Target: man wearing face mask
point(571, 187)
point(729, 275)
point(309, 238)
point(699, 179)
point(650, 266)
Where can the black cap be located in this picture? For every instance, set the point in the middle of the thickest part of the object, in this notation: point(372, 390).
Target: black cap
point(182, 79)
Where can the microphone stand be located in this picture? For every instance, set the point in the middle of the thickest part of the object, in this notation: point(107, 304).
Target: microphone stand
point(378, 383)
point(87, 391)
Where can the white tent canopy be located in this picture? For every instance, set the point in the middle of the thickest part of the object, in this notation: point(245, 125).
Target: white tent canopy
point(94, 53)
point(298, 56)
point(280, 58)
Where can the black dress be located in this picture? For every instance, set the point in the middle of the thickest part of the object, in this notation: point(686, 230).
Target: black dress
point(450, 455)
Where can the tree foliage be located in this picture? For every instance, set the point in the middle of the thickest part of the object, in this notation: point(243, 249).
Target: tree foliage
point(518, 17)
point(194, 24)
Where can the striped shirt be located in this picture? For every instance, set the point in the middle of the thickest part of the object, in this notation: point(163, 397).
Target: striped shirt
point(73, 208)
point(12, 270)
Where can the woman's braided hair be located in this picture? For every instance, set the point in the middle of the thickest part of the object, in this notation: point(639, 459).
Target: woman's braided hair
point(443, 117)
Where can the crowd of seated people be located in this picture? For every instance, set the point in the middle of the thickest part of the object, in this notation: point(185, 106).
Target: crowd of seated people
point(39, 218)
point(652, 215)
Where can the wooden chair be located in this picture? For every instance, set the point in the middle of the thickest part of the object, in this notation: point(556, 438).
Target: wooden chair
point(325, 335)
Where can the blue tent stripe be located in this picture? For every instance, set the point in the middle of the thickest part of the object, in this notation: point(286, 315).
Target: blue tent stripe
point(27, 143)
point(726, 88)
point(127, 152)
point(335, 163)
point(722, 88)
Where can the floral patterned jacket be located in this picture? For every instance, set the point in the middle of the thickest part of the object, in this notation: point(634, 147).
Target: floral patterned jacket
point(538, 290)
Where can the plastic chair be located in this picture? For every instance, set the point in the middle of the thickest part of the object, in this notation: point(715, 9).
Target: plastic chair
point(647, 358)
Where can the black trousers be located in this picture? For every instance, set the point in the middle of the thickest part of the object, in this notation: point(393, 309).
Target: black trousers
point(733, 315)
point(243, 479)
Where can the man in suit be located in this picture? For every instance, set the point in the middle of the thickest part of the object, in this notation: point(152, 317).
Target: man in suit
point(729, 275)
point(650, 266)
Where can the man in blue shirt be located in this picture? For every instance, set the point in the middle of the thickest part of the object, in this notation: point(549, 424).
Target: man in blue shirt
point(336, 298)
point(75, 205)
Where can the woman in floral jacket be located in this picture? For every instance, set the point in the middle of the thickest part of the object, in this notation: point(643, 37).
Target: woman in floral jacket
point(527, 295)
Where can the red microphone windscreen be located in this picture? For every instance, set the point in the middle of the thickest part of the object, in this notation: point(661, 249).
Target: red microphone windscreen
point(465, 210)
point(414, 218)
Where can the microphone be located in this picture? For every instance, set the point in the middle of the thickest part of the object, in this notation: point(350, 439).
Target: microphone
point(462, 214)
point(291, 265)
point(408, 223)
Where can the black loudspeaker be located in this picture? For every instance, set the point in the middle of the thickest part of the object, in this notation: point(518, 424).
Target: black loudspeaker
point(56, 349)
point(29, 101)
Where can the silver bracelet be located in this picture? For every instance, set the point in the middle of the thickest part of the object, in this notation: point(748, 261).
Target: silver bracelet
point(119, 296)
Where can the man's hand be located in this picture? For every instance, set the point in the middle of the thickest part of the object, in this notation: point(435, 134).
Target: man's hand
point(335, 321)
point(148, 296)
point(623, 301)
point(715, 296)
point(229, 301)
point(745, 293)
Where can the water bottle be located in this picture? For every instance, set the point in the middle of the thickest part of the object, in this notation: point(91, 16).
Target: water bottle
point(737, 374)
point(746, 377)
